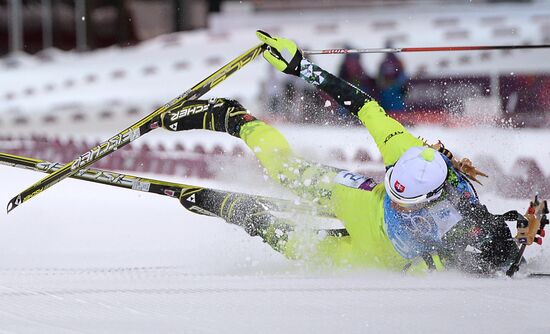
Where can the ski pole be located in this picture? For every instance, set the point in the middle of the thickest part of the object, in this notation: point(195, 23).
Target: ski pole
point(515, 266)
point(424, 49)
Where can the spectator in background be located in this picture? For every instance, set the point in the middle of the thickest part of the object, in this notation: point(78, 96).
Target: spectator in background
point(352, 71)
point(271, 91)
point(391, 82)
point(290, 99)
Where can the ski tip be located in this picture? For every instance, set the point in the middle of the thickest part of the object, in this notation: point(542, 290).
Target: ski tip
point(13, 203)
point(9, 207)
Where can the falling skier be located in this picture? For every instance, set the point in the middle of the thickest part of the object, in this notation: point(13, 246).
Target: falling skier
point(426, 208)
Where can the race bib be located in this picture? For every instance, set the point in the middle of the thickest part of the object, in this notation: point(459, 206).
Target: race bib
point(445, 216)
point(352, 180)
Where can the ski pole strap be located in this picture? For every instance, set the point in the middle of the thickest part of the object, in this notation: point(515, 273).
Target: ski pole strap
point(346, 94)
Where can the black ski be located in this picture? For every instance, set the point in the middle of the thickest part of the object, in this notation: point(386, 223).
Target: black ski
point(245, 210)
point(538, 275)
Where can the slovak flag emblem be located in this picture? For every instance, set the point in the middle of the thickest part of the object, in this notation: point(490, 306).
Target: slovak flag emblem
point(399, 187)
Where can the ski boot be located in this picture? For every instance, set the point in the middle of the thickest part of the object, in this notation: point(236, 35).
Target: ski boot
point(215, 114)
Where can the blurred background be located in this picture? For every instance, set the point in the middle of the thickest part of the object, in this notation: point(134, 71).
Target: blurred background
point(75, 72)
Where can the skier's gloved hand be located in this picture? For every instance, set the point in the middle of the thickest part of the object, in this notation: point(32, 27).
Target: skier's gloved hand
point(281, 53)
point(284, 55)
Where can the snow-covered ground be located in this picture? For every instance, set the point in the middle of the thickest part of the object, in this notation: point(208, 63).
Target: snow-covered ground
point(169, 300)
point(86, 258)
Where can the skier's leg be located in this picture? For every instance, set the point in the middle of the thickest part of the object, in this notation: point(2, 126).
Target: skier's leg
point(215, 114)
point(307, 179)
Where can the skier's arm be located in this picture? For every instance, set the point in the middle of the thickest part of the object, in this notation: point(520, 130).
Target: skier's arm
point(390, 136)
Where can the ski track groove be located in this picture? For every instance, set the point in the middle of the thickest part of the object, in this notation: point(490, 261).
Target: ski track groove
point(42, 324)
point(169, 299)
point(171, 291)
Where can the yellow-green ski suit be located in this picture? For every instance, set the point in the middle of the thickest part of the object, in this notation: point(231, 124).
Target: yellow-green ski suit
point(361, 211)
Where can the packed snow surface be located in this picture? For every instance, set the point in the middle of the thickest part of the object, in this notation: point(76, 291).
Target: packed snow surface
point(87, 258)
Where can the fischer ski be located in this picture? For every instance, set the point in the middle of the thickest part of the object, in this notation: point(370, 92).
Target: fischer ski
point(143, 126)
point(100, 176)
point(248, 211)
